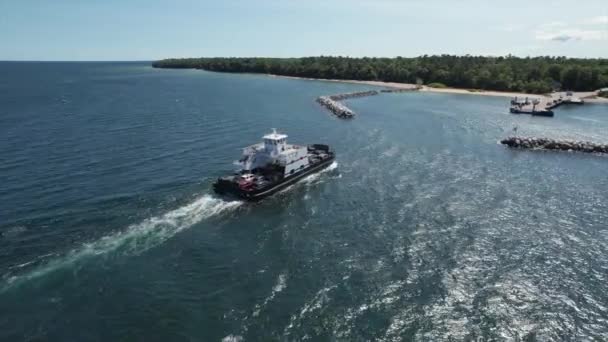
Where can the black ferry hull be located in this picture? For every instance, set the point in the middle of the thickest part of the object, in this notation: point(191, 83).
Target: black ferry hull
point(228, 188)
point(544, 112)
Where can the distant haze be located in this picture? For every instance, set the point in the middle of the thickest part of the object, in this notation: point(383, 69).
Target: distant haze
point(154, 29)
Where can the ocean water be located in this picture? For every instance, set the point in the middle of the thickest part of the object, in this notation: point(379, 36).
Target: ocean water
point(424, 229)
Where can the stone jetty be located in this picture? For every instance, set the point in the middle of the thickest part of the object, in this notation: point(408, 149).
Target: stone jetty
point(401, 90)
point(336, 107)
point(552, 144)
point(345, 96)
point(340, 110)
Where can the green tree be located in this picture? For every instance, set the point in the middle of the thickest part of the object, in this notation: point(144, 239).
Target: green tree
point(535, 75)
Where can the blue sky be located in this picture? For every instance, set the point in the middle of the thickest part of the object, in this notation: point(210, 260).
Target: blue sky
point(153, 29)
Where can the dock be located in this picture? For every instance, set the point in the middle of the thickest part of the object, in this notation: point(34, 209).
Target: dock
point(543, 106)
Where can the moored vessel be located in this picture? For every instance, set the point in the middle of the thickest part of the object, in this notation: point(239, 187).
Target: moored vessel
point(273, 165)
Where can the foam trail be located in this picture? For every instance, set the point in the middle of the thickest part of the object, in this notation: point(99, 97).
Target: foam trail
point(137, 238)
point(315, 176)
point(279, 286)
point(312, 177)
point(331, 167)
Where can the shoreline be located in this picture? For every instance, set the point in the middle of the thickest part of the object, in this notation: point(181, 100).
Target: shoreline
point(587, 96)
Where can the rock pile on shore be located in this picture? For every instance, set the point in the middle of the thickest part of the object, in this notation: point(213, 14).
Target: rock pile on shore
point(552, 144)
point(340, 110)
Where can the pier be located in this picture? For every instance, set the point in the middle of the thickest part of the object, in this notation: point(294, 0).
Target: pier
point(542, 106)
point(333, 104)
point(552, 144)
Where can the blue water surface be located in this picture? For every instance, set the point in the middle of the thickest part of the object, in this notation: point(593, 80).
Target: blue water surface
point(425, 229)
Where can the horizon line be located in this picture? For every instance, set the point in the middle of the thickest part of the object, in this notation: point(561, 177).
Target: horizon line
point(72, 61)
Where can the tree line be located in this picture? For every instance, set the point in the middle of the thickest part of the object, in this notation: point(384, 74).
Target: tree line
point(531, 75)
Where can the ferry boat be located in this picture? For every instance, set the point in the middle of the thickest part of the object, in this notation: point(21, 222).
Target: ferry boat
point(273, 165)
point(542, 112)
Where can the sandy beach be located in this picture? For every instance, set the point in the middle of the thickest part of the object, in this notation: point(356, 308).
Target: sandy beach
point(587, 96)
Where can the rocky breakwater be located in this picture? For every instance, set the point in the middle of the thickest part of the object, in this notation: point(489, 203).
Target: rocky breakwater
point(335, 107)
point(345, 96)
point(552, 144)
point(402, 89)
point(340, 110)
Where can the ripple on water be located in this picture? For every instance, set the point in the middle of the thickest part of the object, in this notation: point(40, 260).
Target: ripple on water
point(279, 286)
point(430, 230)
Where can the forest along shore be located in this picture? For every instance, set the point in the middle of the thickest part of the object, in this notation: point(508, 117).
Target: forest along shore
point(538, 75)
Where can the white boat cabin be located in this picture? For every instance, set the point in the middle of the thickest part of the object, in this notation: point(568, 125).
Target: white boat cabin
point(275, 150)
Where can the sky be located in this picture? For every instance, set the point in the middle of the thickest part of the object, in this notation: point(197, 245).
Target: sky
point(153, 29)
